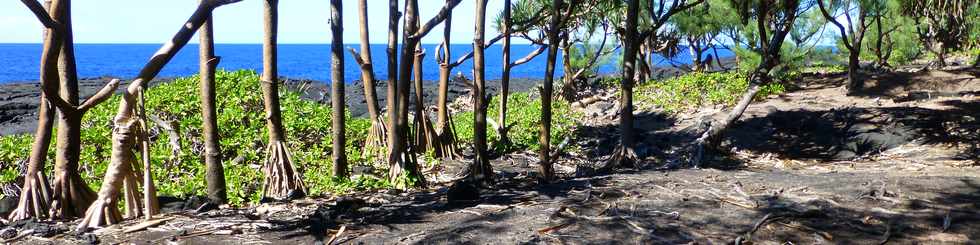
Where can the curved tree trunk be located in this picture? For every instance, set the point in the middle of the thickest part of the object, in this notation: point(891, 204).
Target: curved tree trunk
point(545, 166)
point(217, 192)
point(35, 195)
point(282, 181)
point(127, 129)
point(337, 83)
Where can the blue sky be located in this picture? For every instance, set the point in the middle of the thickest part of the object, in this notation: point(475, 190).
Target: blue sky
point(300, 21)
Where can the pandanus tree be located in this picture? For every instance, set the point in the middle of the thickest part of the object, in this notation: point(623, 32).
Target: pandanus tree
point(337, 84)
point(376, 141)
point(130, 127)
point(214, 172)
point(774, 20)
point(35, 195)
point(852, 35)
point(942, 25)
point(659, 14)
point(480, 170)
point(69, 195)
point(546, 169)
point(282, 180)
point(401, 159)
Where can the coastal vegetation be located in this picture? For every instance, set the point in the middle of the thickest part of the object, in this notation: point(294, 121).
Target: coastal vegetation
point(244, 139)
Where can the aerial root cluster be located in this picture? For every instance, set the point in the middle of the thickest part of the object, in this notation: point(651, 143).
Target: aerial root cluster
point(282, 181)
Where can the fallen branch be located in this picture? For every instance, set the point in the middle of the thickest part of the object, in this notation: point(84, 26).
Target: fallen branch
point(146, 224)
point(335, 235)
point(554, 228)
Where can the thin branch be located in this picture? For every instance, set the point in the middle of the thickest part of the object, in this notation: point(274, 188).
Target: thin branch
point(103, 94)
point(843, 32)
point(41, 14)
point(435, 20)
point(469, 55)
point(530, 56)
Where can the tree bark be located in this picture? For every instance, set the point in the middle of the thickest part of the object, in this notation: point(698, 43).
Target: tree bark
point(337, 83)
point(35, 195)
point(545, 167)
point(626, 154)
point(367, 66)
point(126, 129)
point(480, 170)
point(395, 149)
point(505, 75)
point(282, 181)
point(217, 191)
point(71, 195)
point(403, 164)
point(444, 129)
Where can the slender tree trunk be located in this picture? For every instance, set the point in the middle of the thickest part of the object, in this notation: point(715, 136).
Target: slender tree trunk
point(282, 181)
point(217, 192)
point(367, 66)
point(337, 83)
point(444, 129)
point(71, 195)
point(420, 119)
point(546, 170)
point(376, 142)
point(395, 149)
point(403, 161)
point(505, 75)
point(35, 194)
point(480, 170)
point(625, 155)
point(882, 62)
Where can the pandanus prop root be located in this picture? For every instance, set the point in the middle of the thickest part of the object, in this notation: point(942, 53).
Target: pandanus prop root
point(127, 131)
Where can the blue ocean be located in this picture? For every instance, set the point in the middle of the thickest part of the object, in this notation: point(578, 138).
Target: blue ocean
point(19, 62)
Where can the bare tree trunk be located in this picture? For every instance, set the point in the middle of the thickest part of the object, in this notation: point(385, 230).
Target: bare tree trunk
point(128, 128)
point(217, 192)
point(282, 181)
point(376, 141)
point(35, 195)
point(71, 195)
point(625, 154)
point(446, 136)
point(392, 96)
point(505, 76)
point(426, 136)
point(546, 170)
point(480, 170)
point(337, 83)
point(403, 162)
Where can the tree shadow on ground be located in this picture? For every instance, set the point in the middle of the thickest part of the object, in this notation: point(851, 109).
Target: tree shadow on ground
point(848, 133)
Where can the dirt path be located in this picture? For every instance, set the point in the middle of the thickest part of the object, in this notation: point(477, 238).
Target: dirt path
point(810, 166)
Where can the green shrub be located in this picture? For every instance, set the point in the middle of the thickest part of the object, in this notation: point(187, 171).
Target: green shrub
point(696, 89)
point(524, 114)
point(242, 131)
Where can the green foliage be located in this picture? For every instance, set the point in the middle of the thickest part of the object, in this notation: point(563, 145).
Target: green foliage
point(693, 90)
point(524, 116)
point(242, 135)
